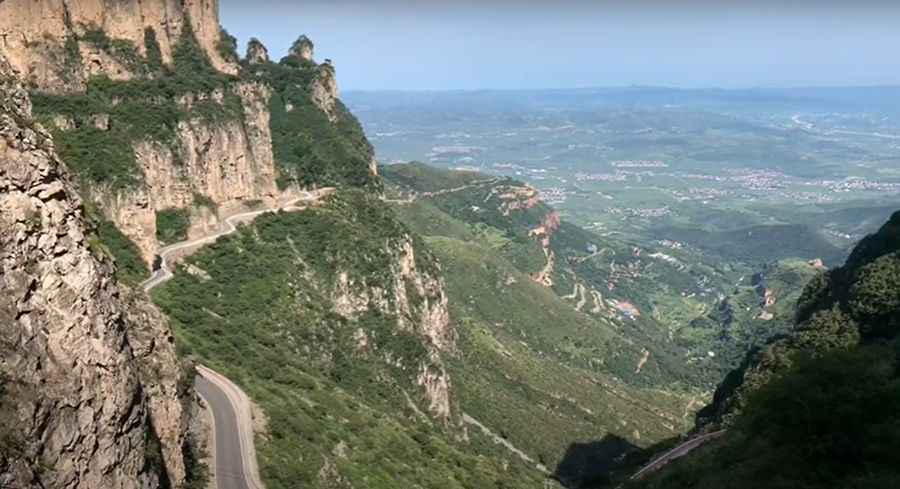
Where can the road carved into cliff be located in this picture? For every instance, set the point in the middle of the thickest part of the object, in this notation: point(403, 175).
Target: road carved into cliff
point(424, 195)
point(499, 440)
point(233, 453)
point(163, 274)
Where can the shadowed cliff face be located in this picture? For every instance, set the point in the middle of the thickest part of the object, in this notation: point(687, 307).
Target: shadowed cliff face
point(90, 387)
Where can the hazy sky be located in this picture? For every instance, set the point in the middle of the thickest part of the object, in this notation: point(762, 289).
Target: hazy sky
point(434, 44)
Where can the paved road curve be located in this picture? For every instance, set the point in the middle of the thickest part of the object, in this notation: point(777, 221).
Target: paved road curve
point(163, 274)
point(229, 464)
point(234, 455)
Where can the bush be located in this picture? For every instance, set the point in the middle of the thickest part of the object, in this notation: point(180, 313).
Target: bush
point(172, 225)
point(130, 266)
point(201, 200)
point(227, 46)
point(310, 149)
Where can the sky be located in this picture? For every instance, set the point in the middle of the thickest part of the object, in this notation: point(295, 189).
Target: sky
point(508, 44)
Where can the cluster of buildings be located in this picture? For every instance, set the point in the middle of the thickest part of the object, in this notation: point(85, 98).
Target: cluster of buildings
point(638, 212)
point(554, 195)
point(855, 184)
point(639, 164)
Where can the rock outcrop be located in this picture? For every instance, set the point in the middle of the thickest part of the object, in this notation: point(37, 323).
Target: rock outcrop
point(36, 35)
point(257, 52)
point(302, 49)
point(93, 382)
point(324, 90)
point(418, 300)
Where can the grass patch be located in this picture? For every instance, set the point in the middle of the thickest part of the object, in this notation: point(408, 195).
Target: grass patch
point(309, 148)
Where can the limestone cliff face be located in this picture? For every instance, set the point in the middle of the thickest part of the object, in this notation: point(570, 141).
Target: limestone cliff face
point(49, 43)
point(92, 382)
point(418, 300)
point(35, 35)
point(324, 90)
point(229, 163)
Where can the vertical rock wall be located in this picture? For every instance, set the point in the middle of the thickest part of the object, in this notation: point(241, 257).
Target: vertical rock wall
point(92, 387)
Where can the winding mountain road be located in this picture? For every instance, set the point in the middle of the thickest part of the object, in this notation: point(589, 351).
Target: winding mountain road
point(234, 455)
point(163, 274)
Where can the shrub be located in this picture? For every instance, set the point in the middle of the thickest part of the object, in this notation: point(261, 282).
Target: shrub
point(172, 225)
point(130, 266)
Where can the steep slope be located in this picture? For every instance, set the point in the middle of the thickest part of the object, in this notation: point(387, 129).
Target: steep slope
point(341, 299)
point(51, 43)
point(92, 392)
point(692, 319)
point(837, 309)
point(335, 321)
point(562, 375)
point(819, 407)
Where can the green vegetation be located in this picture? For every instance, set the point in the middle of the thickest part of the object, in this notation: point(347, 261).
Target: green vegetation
point(760, 244)
point(153, 456)
point(196, 472)
point(819, 408)
point(130, 266)
point(172, 225)
point(533, 367)
point(111, 116)
point(227, 47)
point(108, 242)
point(121, 50)
point(154, 52)
point(201, 200)
point(830, 422)
point(98, 156)
point(678, 326)
point(11, 446)
point(420, 177)
point(337, 411)
point(309, 148)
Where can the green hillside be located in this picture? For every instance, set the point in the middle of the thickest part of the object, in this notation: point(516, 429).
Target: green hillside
point(257, 306)
point(666, 300)
point(819, 408)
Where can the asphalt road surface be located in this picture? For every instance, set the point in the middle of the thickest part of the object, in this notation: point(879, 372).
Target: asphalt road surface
point(228, 458)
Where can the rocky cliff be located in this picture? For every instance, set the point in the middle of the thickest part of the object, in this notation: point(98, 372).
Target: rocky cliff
point(230, 163)
point(48, 41)
point(157, 88)
point(89, 370)
point(417, 299)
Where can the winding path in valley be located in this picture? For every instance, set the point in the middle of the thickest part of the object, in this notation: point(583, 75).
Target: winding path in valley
point(424, 195)
point(677, 452)
point(233, 453)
